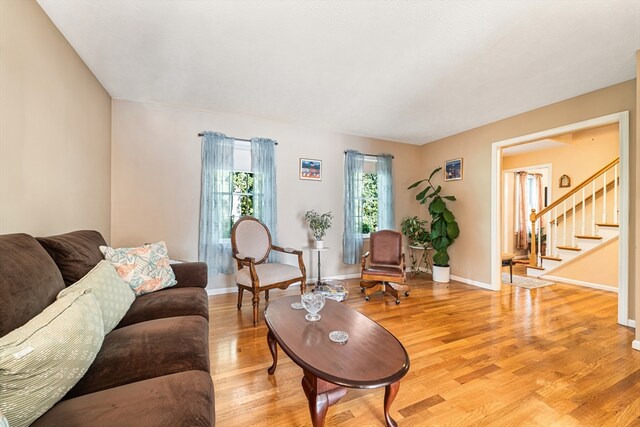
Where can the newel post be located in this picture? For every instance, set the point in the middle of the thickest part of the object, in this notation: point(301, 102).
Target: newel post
point(533, 259)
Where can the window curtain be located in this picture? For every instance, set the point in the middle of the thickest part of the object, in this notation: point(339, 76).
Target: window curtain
point(386, 218)
point(521, 215)
point(538, 181)
point(263, 166)
point(352, 236)
point(216, 201)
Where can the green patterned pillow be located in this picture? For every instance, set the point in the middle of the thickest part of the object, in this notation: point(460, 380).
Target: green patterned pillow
point(42, 360)
point(113, 294)
point(145, 268)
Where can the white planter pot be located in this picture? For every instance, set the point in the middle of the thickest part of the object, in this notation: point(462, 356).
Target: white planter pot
point(319, 244)
point(441, 274)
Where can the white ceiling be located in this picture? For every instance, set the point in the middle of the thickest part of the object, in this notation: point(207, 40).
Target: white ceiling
point(410, 71)
point(530, 147)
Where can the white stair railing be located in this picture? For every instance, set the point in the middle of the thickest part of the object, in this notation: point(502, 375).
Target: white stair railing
point(549, 214)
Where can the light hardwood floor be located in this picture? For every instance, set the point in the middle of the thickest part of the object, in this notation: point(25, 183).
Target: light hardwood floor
point(547, 356)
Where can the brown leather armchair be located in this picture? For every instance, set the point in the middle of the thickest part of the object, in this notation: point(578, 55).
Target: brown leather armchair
point(251, 246)
point(386, 270)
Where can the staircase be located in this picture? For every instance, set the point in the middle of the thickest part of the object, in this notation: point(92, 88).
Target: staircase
point(576, 224)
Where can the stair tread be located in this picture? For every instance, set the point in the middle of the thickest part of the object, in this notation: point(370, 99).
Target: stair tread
point(590, 237)
point(602, 224)
point(535, 267)
point(568, 248)
point(551, 258)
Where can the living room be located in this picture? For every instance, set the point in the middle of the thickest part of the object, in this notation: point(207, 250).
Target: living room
point(77, 156)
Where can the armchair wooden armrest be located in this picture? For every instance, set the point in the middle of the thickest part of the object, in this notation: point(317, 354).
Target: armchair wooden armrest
point(286, 250)
point(293, 252)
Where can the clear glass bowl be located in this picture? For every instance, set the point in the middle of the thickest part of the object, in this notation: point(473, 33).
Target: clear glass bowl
point(313, 303)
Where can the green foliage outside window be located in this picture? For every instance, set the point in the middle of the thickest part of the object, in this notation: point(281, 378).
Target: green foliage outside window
point(369, 203)
point(242, 197)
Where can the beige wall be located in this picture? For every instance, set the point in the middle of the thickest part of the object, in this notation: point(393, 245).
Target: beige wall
point(156, 178)
point(55, 130)
point(470, 254)
point(635, 197)
point(583, 154)
point(599, 267)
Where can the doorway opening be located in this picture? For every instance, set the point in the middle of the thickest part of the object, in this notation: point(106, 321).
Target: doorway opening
point(621, 120)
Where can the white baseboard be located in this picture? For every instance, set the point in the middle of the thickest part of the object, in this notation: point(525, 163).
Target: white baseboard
point(580, 283)
point(635, 345)
point(631, 323)
point(473, 283)
point(234, 289)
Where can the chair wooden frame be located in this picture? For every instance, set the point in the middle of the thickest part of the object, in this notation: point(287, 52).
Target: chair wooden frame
point(251, 263)
point(371, 283)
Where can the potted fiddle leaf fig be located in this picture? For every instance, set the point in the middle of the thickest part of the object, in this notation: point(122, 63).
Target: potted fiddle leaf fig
point(319, 224)
point(444, 228)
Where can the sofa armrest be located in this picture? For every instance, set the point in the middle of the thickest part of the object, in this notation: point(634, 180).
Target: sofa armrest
point(191, 274)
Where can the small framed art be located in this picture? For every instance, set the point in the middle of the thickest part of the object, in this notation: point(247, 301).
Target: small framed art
point(311, 169)
point(453, 170)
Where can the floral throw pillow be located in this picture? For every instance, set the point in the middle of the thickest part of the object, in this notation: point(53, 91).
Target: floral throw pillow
point(145, 268)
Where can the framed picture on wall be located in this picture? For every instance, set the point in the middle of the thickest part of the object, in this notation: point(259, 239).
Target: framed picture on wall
point(453, 170)
point(311, 169)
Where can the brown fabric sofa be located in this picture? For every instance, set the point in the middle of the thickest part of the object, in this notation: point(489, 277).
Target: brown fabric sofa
point(152, 370)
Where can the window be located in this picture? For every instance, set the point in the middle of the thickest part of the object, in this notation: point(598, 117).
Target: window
point(369, 202)
point(242, 195)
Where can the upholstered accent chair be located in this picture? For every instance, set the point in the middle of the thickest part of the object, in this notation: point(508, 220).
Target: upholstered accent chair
point(251, 246)
point(387, 270)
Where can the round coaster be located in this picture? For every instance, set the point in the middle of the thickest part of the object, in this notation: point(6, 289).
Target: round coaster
point(297, 305)
point(339, 337)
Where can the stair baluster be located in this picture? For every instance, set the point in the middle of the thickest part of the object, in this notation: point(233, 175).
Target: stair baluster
point(604, 198)
point(573, 221)
point(583, 227)
point(615, 194)
point(564, 223)
point(593, 208)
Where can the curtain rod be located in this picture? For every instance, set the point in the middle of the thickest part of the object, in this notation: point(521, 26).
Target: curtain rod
point(237, 139)
point(370, 155)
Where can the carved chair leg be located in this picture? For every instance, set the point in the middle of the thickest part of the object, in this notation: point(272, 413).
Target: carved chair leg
point(256, 301)
point(266, 295)
point(240, 294)
point(303, 286)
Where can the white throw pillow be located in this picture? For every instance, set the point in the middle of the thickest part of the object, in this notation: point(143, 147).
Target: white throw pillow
point(145, 268)
point(42, 360)
point(113, 294)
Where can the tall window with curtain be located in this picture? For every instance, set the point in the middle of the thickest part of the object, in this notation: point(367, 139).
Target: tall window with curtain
point(368, 200)
point(230, 190)
point(528, 195)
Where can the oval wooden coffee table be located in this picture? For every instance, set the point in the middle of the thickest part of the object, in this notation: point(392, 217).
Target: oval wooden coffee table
point(372, 357)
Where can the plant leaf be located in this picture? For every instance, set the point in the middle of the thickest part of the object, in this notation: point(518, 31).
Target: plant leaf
point(448, 216)
point(453, 231)
point(437, 206)
point(441, 259)
point(452, 198)
point(415, 184)
point(435, 171)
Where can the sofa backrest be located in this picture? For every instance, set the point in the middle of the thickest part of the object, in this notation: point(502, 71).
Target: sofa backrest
point(29, 280)
point(75, 253)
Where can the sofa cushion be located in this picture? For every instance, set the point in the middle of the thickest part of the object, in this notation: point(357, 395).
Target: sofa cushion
point(113, 294)
point(190, 274)
point(147, 350)
point(145, 268)
point(268, 274)
point(42, 360)
point(182, 399)
point(75, 253)
point(29, 280)
point(169, 302)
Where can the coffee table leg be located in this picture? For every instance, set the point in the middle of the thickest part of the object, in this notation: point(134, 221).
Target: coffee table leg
point(390, 393)
point(271, 340)
point(320, 394)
